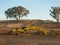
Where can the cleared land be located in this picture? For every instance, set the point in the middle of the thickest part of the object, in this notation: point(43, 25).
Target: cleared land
point(28, 39)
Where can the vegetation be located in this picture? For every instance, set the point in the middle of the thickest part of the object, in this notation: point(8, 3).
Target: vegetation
point(55, 12)
point(16, 12)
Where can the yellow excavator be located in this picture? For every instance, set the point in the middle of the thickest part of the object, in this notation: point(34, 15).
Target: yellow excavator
point(30, 28)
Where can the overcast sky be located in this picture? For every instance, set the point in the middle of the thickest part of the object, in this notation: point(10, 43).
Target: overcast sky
point(39, 9)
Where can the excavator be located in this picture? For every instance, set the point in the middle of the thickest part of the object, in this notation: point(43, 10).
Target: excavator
point(33, 30)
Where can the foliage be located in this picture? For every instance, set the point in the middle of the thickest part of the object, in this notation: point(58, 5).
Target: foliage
point(55, 12)
point(16, 12)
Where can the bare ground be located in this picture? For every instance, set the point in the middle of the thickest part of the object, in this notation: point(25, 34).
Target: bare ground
point(29, 40)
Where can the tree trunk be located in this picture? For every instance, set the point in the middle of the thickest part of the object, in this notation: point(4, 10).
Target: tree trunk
point(57, 18)
point(16, 18)
point(19, 17)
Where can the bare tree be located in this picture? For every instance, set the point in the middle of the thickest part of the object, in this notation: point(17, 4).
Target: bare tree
point(55, 12)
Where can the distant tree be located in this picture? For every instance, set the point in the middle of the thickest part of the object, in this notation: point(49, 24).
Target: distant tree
point(16, 12)
point(55, 12)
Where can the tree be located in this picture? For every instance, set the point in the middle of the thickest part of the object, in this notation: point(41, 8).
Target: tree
point(16, 12)
point(55, 12)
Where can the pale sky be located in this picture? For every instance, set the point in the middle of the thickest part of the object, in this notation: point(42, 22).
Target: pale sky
point(39, 9)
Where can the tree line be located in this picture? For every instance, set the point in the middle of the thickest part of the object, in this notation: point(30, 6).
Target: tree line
point(18, 12)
